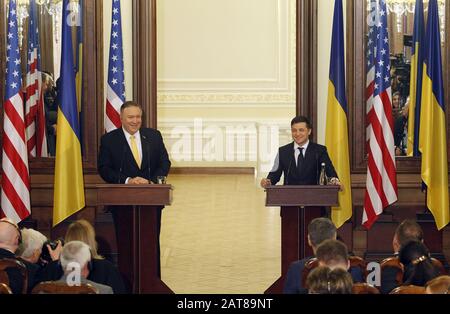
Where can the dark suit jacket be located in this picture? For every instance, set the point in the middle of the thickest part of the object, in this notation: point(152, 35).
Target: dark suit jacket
point(309, 172)
point(293, 283)
point(116, 162)
point(14, 275)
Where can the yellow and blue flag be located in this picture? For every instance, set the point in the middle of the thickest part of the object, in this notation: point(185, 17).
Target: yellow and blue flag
point(415, 94)
point(336, 138)
point(433, 135)
point(69, 184)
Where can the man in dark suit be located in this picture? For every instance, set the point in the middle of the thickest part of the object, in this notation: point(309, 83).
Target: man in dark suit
point(132, 155)
point(10, 238)
point(300, 161)
point(319, 230)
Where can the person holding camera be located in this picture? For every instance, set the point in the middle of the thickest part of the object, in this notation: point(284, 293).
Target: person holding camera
point(101, 270)
point(30, 252)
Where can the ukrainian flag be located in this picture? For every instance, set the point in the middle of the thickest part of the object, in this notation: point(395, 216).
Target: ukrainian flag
point(337, 131)
point(415, 94)
point(432, 136)
point(69, 185)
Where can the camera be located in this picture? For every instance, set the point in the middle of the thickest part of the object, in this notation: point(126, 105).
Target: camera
point(45, 255)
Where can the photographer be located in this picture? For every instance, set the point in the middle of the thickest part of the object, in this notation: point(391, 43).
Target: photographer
point(30, 252)
point(101, 270)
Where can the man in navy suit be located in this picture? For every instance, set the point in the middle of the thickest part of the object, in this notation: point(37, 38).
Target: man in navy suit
point(132, 155)
point(300, 161)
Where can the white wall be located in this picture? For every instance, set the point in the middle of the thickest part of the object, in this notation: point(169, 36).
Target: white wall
point(127, 28)
point(229, 63)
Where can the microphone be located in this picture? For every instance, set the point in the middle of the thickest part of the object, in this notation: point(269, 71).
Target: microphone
point(147, 147)
point(317, 169)
point(121, 163)
point(289, 169)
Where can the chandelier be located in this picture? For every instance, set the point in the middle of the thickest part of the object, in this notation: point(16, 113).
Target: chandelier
point(52, 8)
point(401, 8)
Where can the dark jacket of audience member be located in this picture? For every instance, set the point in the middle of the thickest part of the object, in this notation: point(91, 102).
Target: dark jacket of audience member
point(14, 275)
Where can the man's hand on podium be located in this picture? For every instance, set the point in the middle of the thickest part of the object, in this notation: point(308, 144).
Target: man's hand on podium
point(265, 183)
point(138, 180)
point(335, 181)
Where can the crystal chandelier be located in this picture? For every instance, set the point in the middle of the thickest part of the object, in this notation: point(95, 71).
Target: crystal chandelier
point(53, 8)
point(402, 8)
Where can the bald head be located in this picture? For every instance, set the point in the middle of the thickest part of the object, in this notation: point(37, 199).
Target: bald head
point(9, 235)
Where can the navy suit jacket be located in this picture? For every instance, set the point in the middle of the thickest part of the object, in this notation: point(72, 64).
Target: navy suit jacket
point(293, 283)
point(116, 162)
point(309, 172)
point(14, 275)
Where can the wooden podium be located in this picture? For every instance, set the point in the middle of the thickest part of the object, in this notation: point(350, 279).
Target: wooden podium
point(144, 201)
point(299, 205)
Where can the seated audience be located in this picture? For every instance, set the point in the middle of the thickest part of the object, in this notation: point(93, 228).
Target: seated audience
point(10, 238)
point(319, 230)
point(78, 253)
point(408, 230)
point(324, 280)
point(419, 268)
point(333, 254)
point(102, 271)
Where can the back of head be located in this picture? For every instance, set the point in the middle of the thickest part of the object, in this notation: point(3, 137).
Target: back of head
point(75, 252)
point(439, 285)
point(407, 231)
point(321, 229)
point(333, 254)
point(9, 235)
point(32, 240)
point(419, 269)
point(82, 230)
point(323, 280)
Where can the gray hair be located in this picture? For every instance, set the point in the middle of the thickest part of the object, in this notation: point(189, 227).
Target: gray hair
point(75, 252)
point(32, 240)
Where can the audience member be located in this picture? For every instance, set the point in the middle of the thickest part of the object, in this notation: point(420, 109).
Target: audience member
point(319, 230)
point(419, 268)
point(333, 254)
point(10, 238)
point(408, 230)
point(30, 251)
point(102, 270)
point(78, 253)
point(323, 280)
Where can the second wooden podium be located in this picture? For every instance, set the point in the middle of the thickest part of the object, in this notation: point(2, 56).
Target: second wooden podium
point(299, 205)
point(144, 201)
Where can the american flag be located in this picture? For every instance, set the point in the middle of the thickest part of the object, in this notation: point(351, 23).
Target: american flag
point(15, 197)
point(381, 184)
point(34, 102)
point(115, 94)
